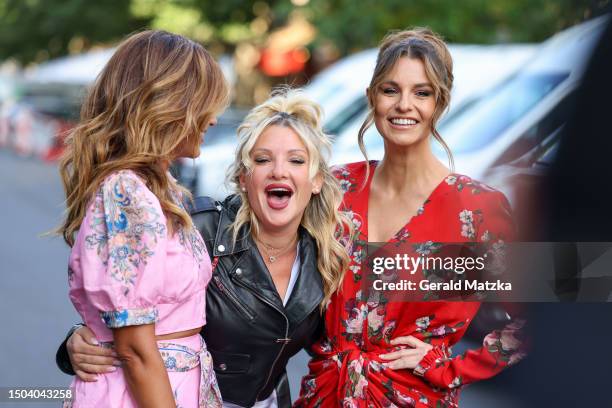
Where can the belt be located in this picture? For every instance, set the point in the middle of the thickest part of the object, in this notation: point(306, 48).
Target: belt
point(180, 358)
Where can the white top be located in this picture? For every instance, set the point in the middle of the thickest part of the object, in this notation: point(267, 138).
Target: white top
point(270, 402)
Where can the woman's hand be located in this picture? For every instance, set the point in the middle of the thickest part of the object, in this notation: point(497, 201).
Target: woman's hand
point(87, 357)
point(406, 357)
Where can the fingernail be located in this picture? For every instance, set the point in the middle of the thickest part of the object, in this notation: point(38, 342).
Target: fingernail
point(111, 369)
point(117, 363)
point(114, 354)
point(94, 342)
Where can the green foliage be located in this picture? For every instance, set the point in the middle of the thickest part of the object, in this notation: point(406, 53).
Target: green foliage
point(353, 25)
point(34, 30)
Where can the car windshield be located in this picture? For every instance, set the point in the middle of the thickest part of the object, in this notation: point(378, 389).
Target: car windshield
point(476, 126)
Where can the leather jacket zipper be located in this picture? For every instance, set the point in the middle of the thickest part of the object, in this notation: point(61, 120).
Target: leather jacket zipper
point(233, 298)
point(284, 340)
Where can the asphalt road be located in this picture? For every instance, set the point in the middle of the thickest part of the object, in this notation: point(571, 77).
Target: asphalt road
point(35, 310)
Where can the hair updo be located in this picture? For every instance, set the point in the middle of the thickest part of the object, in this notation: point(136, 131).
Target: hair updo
point(428, 47)
point(324, 222)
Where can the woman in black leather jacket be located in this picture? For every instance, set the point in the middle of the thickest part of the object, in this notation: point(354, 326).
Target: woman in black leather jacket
point(276, 260)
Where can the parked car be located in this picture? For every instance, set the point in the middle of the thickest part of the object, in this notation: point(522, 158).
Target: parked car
point(206, 174)
point(505, 123)
point(340, 90)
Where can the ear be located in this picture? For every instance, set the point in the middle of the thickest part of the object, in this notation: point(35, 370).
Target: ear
point(242, 180)
point(317, 184)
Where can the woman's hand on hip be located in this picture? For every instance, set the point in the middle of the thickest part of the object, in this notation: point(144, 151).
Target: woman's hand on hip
point(89, 358)
point(408, 357)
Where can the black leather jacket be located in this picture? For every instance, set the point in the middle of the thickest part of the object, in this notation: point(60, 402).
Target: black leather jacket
point(249, 333)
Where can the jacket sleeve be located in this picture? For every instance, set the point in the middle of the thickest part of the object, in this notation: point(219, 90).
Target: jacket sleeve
point(493, 227)
point(61, 357)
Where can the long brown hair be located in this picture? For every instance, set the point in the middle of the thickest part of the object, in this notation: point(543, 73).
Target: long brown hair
point(158, 90)
point(427, 46)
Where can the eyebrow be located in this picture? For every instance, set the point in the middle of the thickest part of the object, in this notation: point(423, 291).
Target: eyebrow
point(270, 151)
point(421, 85)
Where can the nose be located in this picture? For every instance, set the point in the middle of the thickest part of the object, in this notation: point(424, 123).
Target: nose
point(279, 169)
point(404, 104)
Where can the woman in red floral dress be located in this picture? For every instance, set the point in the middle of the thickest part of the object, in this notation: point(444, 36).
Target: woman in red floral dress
point(381, 353)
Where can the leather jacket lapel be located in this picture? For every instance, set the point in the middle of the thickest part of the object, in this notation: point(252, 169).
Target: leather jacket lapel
point(251, 270)
point(308, 290)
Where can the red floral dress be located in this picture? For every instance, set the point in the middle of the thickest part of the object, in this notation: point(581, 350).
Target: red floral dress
point(346, 369)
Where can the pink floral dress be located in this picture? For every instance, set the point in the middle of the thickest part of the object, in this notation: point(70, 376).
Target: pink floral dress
point(346, 369)
point(125, 270)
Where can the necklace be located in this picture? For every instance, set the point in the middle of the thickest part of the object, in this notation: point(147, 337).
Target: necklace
point(273, 253)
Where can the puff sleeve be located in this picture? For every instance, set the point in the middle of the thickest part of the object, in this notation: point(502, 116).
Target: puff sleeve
point(124, 252)
point(490, 223)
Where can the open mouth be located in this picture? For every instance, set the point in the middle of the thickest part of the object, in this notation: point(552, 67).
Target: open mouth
point(278, 195)
point(403, 122)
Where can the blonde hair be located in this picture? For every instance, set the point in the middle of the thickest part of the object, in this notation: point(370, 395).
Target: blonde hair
point(158, 90)
point(428, 47)
point(322, 219)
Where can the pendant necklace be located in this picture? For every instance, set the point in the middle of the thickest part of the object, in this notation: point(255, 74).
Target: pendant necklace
point(273, 253)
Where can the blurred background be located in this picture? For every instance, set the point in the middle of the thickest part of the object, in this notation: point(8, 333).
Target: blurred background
point(519, 66)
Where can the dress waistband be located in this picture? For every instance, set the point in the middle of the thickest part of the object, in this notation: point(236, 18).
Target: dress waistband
point(180, 358)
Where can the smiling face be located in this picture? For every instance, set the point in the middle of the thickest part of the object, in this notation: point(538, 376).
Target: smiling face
point(279, 186)
point(404, 104)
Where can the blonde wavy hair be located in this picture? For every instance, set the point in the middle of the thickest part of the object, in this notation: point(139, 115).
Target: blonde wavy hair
point(428, 47)
point(158, 91)
point(322, 219)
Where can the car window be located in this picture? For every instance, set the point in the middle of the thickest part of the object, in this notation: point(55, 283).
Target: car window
point(345, 117)
point(546, 126)
point(486, 119)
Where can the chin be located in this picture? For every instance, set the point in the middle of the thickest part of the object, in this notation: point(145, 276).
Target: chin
point(404, 139)
point(279, 221)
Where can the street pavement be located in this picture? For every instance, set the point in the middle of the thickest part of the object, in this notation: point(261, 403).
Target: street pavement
point(36, 311)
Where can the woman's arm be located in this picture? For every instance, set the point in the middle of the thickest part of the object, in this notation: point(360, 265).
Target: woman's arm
point(500, 349)
point(143, 366)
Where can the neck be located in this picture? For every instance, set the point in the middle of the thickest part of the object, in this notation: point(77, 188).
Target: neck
point(278, 238)
point(409, 168)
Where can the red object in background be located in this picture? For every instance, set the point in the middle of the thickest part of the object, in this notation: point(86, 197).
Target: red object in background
point(57, 147)
point(275, 63)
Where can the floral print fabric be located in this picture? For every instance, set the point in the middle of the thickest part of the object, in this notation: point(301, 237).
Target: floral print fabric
point(125, 269)
point(190, 371)
point(346, 369)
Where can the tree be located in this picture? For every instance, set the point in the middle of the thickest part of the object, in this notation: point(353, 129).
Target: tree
point(35, 30)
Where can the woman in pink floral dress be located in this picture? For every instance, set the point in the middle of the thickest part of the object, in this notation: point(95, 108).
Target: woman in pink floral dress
point(377, 352)
point(138, 268)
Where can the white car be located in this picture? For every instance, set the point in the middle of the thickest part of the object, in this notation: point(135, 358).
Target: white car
point(476, 68)
point(505, 123)
point(340, 90)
